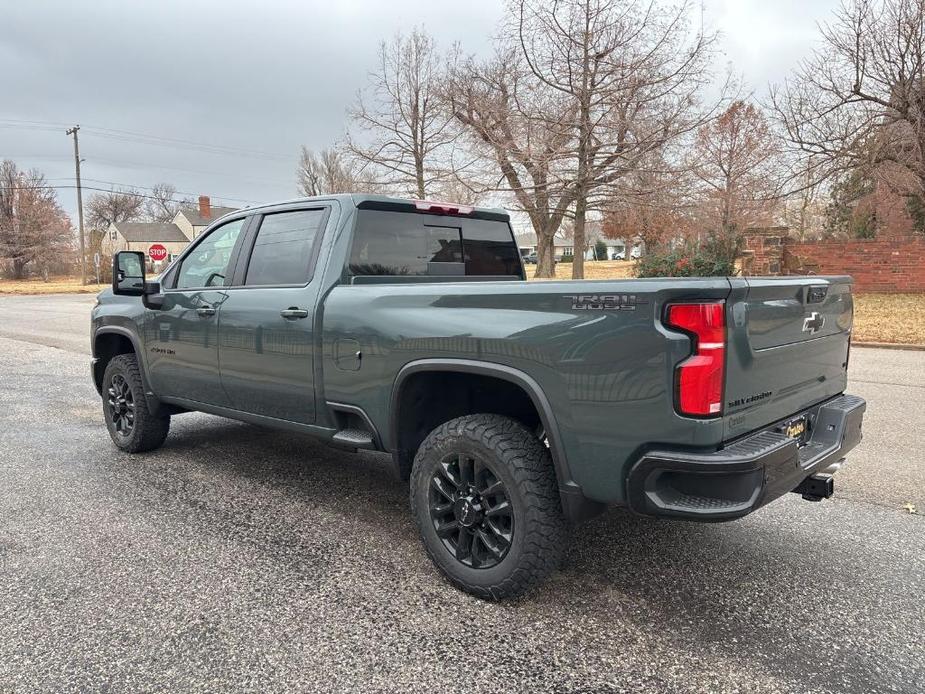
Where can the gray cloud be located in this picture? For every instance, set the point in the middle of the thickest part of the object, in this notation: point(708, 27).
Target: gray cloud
point(263, 76)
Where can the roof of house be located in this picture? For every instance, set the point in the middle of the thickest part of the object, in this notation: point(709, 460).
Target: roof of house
point(529, 239)
point(150, 232)
point(592, 231)
point(192, 214)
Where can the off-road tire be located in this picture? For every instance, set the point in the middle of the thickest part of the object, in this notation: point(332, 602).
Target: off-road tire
point(523, 463)
point(148, 430)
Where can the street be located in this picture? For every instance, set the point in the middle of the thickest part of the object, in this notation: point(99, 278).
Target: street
point(241, 559)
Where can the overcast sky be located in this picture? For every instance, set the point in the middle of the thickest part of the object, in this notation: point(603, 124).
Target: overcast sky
point(264, 77)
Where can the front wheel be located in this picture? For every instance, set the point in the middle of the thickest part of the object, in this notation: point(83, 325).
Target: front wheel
point(132, 426)
point(485, 499)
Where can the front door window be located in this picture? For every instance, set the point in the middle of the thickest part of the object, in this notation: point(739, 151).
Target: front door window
point(207, 264)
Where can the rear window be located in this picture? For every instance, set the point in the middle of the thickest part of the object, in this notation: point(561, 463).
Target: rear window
point(402, 243)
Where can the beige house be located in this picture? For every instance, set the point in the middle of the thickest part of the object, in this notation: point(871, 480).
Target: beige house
point(175, 235)
point(192, 221)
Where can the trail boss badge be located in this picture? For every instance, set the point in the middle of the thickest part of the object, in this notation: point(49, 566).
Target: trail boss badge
point(604, 302)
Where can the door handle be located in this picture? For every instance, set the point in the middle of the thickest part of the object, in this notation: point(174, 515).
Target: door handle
point(205, 311)
point(293, 313)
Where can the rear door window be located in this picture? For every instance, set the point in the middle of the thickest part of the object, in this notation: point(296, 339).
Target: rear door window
point(282, 253)
point(401, 243)
point(490, 250)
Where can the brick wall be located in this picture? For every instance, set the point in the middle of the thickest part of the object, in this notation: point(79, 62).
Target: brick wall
point(877, 265)
point(764, 251)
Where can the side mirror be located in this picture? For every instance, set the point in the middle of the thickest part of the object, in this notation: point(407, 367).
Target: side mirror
point(128, 273)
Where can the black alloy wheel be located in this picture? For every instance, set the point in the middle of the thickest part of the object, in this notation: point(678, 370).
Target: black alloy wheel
point(471, 511)
point(121, 404)
point(131, 424)
point(486, 501)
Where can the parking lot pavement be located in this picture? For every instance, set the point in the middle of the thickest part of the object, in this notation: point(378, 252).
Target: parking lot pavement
point(237, 558)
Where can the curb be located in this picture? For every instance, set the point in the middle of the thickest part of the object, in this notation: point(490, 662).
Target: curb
point(890, 345)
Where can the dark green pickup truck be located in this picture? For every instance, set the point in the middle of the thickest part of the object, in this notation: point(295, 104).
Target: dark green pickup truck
point(515, 408)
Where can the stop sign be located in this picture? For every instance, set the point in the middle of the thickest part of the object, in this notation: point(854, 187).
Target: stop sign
point(157, 252)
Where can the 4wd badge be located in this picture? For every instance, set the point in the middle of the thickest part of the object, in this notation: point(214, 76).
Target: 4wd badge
point(604, 302)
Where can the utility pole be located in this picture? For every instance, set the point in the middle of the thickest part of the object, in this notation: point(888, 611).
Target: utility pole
point(80, 204)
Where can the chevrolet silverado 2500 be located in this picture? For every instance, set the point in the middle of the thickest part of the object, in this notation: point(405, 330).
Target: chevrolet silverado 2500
point(514, 408)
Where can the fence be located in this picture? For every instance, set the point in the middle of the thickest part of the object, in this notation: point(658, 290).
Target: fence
point(895, 264)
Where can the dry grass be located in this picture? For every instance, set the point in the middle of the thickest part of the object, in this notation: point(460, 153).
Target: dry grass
point(594, 270)
point(55, 285)
point(896, 318)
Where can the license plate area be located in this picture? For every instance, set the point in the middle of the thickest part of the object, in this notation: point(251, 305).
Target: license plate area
point(797, 429)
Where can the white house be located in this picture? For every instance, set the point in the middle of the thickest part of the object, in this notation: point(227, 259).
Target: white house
point(564, 246)
point(175, 235)
point(527, 244)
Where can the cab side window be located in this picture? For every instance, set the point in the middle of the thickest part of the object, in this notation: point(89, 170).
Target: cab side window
point(282, 253)
point(400, 243)
point(207, 263)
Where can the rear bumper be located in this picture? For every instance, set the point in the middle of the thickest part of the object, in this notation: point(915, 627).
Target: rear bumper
point(747, 473)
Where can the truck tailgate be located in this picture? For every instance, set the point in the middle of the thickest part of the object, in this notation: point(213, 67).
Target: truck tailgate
point(788, 348)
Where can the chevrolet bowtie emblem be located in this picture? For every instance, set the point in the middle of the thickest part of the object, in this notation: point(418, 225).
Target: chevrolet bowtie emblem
point(813, 323)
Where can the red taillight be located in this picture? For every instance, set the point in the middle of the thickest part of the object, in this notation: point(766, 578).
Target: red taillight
point(699, 378)
point(442, 207)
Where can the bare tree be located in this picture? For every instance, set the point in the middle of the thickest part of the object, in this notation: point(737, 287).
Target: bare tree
point(520, 130)
point(404, 133)
point(162, 203)
point(859, 100)
point(735, 159)
point(330, 171)
point(652, 205)
point(632, 71)
point(804, 207)
point(113, 207)
point(33, 227)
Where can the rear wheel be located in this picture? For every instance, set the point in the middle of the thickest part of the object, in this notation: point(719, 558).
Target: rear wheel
point(132, 426)
point(485, 499)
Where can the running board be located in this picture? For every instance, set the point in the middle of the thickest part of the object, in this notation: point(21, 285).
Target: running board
point(354, 438)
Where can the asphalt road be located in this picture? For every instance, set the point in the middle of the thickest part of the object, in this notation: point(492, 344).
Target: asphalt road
point(236, 558)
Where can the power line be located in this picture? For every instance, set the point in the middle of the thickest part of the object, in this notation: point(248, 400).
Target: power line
point(53, 124)
point(124, 163)
point(133, 186)
point(118, 192)
point(29, 127)
point(154, 140)
point(151, 140)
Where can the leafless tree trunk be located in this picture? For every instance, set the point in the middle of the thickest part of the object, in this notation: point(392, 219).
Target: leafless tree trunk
point(632, 72)
point(520, 129)
point(405, 133)
point(804, 207)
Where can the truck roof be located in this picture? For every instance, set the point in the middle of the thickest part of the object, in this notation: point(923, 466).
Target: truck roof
point(382, 201)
